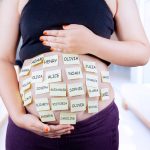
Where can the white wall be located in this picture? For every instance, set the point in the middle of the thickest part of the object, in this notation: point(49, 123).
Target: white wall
point(146, 23)
point(141, 74)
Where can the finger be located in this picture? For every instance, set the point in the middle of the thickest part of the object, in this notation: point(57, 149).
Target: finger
point(38, 126)
point(48, 135)
point(64, 131)
point(55, 49)
point(53, 131)
point(60, 127)
point(53, 137)
point(44, 129)
point(54, 45)
point(60, 33)
point(72, 26)
point(52, 39)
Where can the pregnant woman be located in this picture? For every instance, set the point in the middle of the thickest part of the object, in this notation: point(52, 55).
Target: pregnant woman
point(64, 99)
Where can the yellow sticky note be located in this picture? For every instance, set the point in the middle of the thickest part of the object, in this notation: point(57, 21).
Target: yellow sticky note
point(37, 76)
point(71, 59)
point(57, 89)
point(93, 106)
point(53, 76)
point(50, 61)
point(76, 89)
point(74, 73)
point(59, 103)
point(26, 84)
point(47, 116)
point(67, 118)
point(105, 76)
point(91, 80)
point(25, 70)
point(41, 88)
point(42, 104)
point(90, 66)
point(78, 105)
point(27, 98)
point(105, 94)
point(37, 60)
point(22, 93)
point(93, 91)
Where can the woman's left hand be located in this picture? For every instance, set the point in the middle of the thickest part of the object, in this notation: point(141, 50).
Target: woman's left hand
point(74, 38)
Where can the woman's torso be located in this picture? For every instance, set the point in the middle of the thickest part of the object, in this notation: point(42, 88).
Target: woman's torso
point(38, 16)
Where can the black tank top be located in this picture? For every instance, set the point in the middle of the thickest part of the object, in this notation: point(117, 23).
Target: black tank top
point(40, 15)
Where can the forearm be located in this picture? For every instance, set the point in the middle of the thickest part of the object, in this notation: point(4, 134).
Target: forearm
point(125, 53)
point(9, 90)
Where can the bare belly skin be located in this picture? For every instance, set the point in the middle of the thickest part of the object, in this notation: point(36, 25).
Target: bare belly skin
point(100, 66)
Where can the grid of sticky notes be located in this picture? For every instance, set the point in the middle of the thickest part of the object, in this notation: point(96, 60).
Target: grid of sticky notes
point(50, 82)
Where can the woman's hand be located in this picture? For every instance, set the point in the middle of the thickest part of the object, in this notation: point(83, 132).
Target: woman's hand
point(74, 38)
point(33, 124)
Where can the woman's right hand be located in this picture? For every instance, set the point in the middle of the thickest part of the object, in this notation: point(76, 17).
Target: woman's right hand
point(33, 124)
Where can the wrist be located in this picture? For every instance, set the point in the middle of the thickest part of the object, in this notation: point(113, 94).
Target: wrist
point(92, 44)
point(17, 118)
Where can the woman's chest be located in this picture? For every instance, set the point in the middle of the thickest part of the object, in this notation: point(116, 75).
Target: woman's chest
point(38, 16)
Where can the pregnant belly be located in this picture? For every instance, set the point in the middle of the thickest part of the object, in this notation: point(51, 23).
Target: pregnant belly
point(64, 88)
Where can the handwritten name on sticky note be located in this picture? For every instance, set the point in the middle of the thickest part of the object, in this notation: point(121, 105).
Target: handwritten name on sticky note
point(26, 84)
point(76, 89)
point(74, 73)
point(37, 76)
point(71, 59)
point(90, 66)
point(42, 104)
point(37, 60)
point(25, 71)
point(67, 118)
point(53, 76)
point(78, 105)
point(93, 91)
point(91, 80)
point(105, 76)
point(41, 88)
point(59, 103)
point(57, 89)
point(27, 98)
point(47, 116)
point(105, 94)
point(50, 61)
point(93, 106)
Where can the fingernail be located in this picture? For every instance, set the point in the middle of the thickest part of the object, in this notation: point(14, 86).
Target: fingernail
point(41, 38)
point(45, 33)
point(44, 42)
point(65, 25)
point(52, 49)
point(46, 129)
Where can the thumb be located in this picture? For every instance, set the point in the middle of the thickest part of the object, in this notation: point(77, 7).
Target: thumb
point(40, 125)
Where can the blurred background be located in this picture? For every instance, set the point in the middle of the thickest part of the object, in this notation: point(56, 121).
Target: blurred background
point(132, 89)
